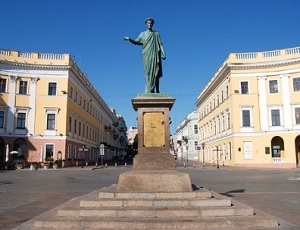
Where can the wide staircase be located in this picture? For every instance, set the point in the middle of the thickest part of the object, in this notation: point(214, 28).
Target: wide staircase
point(108, 209)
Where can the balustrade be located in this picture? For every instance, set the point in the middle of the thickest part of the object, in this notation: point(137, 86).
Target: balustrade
point(49, 56)
point(24, 54)
point(5, 52)
point(292, 51)
point(246, 55)
point(273, 53)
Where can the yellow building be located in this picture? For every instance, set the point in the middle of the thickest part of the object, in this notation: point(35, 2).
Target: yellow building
point(50, 110)
point(249, 112)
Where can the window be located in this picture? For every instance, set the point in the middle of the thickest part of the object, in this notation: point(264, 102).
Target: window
point(248, 150)
point(23, 87)
point(75, 126)
point(215, 127)
point(275, 116)
point(195, 145)
point(2, 85)
point(51, 121)
point(296, 84)
point(297, 116)
point(222, 96)
point(52, 88)
point(70, 124)
point(49, 152)
point(229, 151)
point(227, 91)
point(76, 97)
point(246, 118)
point(80, 100)
point(21, 118)
point(79, 128)
point(228, 120)
point(195, 129)
point(244, 87)
point(273, 86)
point(223, 122)
point(71, 92)
point(1, 119)
point(69, 151)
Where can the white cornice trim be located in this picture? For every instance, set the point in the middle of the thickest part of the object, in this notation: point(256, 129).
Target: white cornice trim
point(34, 66)
point(264, 64)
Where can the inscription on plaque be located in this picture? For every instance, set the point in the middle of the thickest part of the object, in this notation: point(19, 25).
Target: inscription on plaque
point(154, 130)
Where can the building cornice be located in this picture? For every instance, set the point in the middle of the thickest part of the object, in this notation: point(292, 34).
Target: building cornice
point(34, 66)
point(264, 65)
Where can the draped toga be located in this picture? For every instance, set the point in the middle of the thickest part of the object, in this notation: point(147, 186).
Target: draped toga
point(151, 58)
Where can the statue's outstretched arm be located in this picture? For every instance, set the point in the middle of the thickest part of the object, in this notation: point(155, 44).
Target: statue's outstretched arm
point(126, 38)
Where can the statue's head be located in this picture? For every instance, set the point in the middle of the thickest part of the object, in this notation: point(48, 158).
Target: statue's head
point(149, 19)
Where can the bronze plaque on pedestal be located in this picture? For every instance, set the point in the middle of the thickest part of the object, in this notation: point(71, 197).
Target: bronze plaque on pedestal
point(154, 129)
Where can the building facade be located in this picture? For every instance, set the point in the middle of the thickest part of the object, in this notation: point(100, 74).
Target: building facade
point(186, 143)
point(49, 110)
point(249, 112)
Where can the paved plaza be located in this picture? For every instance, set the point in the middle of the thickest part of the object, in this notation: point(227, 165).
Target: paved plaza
point(26, 194)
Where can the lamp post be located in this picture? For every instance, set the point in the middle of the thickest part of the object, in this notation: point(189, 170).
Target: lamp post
point(217, 156)
point(203, 145)
point(217, 149)
point(187, 154)
point(101, 153)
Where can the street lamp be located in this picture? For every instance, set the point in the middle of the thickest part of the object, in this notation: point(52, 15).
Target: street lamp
point(217, 155)
point(203, 145)
point(101, 153)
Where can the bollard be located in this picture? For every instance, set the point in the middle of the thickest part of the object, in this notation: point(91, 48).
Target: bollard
point(203, 164)
point(125, 164)
point(214, 164)
point(96, 164)
point(105, 165)
point(184, 165)
point(116, 165)
point(86, 164)
point(194, 165)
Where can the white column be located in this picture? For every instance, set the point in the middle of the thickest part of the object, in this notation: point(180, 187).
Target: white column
point(31, 112)
point(263, 111)
point(287, 116)
point(11, 105)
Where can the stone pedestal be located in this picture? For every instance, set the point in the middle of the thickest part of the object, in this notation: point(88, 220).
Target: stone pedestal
point(154, 166)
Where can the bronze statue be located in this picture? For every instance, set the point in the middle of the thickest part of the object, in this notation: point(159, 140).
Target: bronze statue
point(153, 52)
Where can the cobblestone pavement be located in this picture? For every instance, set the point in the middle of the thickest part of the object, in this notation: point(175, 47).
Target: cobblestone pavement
point(25, 194)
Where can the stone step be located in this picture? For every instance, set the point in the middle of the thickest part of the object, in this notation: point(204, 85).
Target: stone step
point(198, 202)
point(187, 212)
point(202, 193)
point(151, 211)
point(148, 223)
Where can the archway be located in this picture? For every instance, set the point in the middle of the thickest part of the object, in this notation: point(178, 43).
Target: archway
point(277, 144)
point(20, 145)
point(297, 150)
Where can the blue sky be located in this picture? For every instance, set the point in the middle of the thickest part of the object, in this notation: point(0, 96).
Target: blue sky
point(198, 36)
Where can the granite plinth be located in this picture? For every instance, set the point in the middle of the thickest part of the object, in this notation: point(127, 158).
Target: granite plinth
point(154, 161)
point(154, 181)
